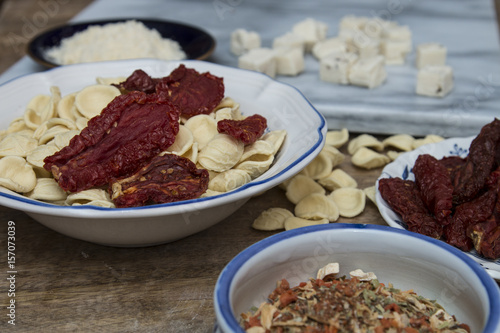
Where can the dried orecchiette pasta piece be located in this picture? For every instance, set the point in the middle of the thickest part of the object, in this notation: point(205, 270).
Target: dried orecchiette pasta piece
point(431, 138)
point(65, 107)
point(53, 122)
point(335, 155)
point(319, 167)
point(37, 155)
point(272, 219)
point(51, 133)
point(369, 159)
point(41, 109)
point(47, 189)
point(256, 165)
point(297, 222)
point(110, 80)
point(275, 138)
point(192, 153)
point(317, 206)
point(17, 145)
point(210, 193)
point(16, 174)
point(330, 269)
point(392, 154)
point(96, 197)
point(38, 103)
point(364, 140)
point(229, 180)
point(92, 99)
point(203, 127)
point(402, 142)
point(370, 193)
point(183, 141)
point(259, 147)
point(337, 138)
point(336, 179)
point(62, 139)
point(227, 102)
point(222, 114)
point(221, 153)
point(350, 201)
point(17, 125)
point(301, 186)
point(81, 122)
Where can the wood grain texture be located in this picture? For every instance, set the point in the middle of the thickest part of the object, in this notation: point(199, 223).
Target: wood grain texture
point(67, 285)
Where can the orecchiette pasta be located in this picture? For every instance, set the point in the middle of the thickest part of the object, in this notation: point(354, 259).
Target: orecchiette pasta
point(369, 159)
point(350, 201)
point(317, 206)
point(16, 174)
point(402, 142)
point(92, 99)
point(338, 178)
point(229, 180)
point(364, 140)
point(297, 222)
point(272, 219)
point(47, 189)
point(301, 186)
point(203, 128)
point(17, 145)
point(337, 138)
point(221, 153)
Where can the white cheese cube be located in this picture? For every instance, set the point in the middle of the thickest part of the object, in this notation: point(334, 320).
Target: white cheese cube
point(397, 33)
point(289, 61)
point(395, 52)
point(262, 60)
point(368, 72)
point(353, 22)
point(430, 54)
point(328, 46)
point(335, 67)
point(289, 40)
point(312, 31)
point(367, 47)
point(242, 41)
point(434, 81)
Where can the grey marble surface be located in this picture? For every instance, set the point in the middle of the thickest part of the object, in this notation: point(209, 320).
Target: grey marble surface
point(467, 28)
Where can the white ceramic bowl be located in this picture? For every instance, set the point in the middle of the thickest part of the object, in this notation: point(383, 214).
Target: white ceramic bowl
point(283, 106)
point(431, 268)
point(402, 168)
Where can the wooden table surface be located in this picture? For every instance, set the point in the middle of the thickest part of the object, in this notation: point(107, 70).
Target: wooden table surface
point(63, 284)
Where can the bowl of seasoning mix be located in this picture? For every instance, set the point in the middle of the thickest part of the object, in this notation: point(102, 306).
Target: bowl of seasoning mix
point(350, 277)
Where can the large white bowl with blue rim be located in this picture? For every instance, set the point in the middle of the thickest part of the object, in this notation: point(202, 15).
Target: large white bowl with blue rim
point(431, 268)
point(283, 106)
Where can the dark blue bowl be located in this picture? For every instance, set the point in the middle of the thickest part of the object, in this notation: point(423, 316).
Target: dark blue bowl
point(196, 43)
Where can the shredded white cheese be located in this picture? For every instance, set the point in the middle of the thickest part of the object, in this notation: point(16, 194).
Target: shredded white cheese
point(115, 41)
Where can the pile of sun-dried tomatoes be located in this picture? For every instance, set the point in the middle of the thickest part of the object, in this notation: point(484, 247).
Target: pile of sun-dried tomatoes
point(120, 148)
point(454, 199)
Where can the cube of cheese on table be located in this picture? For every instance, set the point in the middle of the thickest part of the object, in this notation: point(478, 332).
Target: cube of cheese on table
point(289, 61)
point(262, 60)
point(395, 52)
point(435, 81)
point(289, 40)
point(328, 46)
point(368, 72)
point(312, 31)
point(242, 41)
point(335, 67)
point(430, 54)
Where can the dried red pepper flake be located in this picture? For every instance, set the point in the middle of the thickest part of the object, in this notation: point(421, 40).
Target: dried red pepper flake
point(130, 130)
point(167, 178)
point(247, 130)
point(434, 183)
point(193, 93)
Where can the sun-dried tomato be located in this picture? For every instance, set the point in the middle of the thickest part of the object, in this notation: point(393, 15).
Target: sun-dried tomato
point(470, 178)
point(452, 164)
point(404, 198)
point(434, 183)
point(130, 130)
point(167, 178)
point(247, 130)
point(193, 93)
point(138, 81)
point(465, 216)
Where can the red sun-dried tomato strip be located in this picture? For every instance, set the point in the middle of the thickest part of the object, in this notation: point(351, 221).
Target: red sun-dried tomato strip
point(166, 178)
point(247, 130)
point(130, 130)
point(480, 162)
point(193, 93)
point(138, 81)
point(434, 183)
point(404, 198)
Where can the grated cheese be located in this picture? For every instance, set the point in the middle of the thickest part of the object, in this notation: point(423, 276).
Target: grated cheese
point(115, 41)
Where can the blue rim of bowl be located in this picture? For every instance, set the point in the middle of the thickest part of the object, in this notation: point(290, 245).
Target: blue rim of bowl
point(321, 126)
point(38, 44)
point(222, 288)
